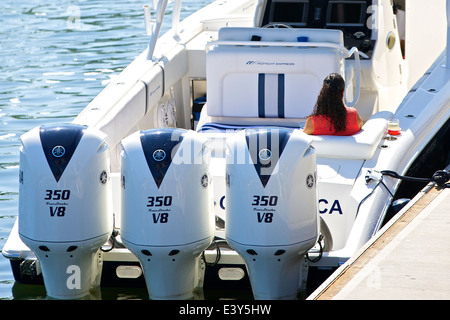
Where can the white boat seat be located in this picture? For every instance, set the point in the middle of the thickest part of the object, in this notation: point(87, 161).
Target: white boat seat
point(265, 80)
point(361, 145)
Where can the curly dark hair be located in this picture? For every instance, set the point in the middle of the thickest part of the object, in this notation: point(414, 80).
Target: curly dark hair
point(330, 101)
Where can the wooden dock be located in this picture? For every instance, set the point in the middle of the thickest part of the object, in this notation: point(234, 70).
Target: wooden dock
point(409, 258)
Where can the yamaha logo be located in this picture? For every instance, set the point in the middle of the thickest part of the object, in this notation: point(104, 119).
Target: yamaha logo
point(204, 180)
point(103, 177)
point(265, 154)
point(58, 151)
point(310, 181)
point(159, 155)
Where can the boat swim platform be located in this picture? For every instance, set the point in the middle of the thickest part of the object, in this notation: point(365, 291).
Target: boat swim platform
point(408, 259)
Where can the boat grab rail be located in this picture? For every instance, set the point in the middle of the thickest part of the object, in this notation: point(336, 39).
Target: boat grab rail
point(344, 51)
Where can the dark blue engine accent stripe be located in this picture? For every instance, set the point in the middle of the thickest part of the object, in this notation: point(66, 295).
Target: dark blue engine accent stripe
point(259, 139)
point(261, 93)
point(65, 137)
point(165, 139)
point(281, 95)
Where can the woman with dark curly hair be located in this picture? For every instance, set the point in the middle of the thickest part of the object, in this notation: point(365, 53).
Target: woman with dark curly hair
point(330, 116)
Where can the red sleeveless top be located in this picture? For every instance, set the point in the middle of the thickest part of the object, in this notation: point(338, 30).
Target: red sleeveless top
point(323, 126)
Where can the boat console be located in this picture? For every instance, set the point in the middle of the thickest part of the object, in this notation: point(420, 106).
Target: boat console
point(352, 17)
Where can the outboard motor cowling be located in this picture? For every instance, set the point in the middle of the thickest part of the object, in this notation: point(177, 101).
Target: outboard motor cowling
point(167, 208)
point(271, 207)
point(65, 205)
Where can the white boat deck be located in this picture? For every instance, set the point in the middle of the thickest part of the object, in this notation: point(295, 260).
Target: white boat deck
point(408, 259)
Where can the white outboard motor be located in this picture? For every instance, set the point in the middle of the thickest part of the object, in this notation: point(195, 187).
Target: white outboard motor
point(271, 202)
point(65, 205)
point(167, 208)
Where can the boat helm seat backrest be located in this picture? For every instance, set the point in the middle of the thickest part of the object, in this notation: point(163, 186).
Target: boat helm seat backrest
point(270, 77)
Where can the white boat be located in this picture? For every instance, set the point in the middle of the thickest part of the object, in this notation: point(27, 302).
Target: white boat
point(191, 168)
